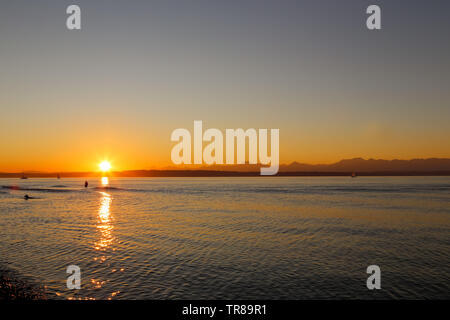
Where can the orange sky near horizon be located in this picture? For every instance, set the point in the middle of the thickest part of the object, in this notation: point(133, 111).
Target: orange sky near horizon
point(132, 148)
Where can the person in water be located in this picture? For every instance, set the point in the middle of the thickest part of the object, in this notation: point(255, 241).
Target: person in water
point(86, 184)
point(26, 197)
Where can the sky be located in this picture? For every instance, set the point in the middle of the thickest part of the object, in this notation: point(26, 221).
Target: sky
point(137, 70)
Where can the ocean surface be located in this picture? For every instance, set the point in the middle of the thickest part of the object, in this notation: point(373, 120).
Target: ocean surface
point(230, 238)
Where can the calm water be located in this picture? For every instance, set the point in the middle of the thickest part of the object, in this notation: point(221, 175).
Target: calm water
point(236, 238)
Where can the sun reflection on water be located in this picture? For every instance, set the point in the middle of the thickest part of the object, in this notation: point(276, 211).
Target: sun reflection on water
point(105, 227)
point(105, 181)
point(104, 223)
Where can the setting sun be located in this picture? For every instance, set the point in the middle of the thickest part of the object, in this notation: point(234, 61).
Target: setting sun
point(104, 166)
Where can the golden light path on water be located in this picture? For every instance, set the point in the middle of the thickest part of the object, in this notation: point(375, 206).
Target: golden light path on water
point(105, 181)
point(104, 223)
point(105, 226)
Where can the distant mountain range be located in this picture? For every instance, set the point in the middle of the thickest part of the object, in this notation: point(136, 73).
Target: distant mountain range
point(346, 165)
point(360, 166)
point(374, 165)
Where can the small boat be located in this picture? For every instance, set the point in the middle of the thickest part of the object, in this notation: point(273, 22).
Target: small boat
point(354, 175)
point(23, 176)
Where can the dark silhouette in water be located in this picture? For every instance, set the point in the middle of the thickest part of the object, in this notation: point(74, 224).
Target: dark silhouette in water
point(26, 197)
point(86, 184)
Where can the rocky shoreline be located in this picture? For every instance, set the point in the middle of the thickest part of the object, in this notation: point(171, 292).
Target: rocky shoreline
point(12, 287)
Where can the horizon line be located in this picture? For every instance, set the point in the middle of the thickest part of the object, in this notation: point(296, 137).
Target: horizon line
point(206, 167)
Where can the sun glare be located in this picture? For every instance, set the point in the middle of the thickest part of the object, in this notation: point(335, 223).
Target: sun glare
point(104, 166)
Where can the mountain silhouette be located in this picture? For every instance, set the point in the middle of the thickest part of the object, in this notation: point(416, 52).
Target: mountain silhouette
point(373, 165)
point(345, 165)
